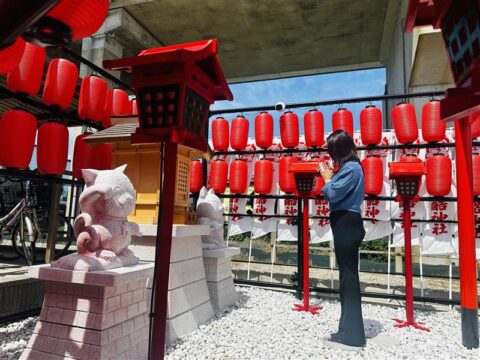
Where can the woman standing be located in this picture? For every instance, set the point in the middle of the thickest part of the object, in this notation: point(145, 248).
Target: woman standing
point(345, 192)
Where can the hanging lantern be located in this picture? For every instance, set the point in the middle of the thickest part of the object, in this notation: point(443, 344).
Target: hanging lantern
point(10, 56)
point(433, 129)
point(218, 176)
point(83, 156)
point(103, 156)
point(239, 133)
point(343, 119)
point(476, 174)
point(264, 130)
point(314, 131)
point(286, 179)
point(68, 20)
point(117, 104)
point(196, 176)
point(134, 107)
point(27, 76)
point(263, 176)
point(289, 132)
point(373, 175)
point(60, 83)
point(439, 175)
point(92, 99)
point(405, 123)
point(17, 138)
point(220, 134)
point(52, 148)
point(238, 177)
point(475, 124)
point(371, 125)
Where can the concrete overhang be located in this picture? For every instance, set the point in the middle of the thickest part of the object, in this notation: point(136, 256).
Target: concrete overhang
point(430, 63)
point(269, 39)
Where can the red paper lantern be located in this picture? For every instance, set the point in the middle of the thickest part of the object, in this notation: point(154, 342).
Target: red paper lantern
point(238, 177)
point(17, 138)
point(343, 119)
point(286, 179)
point(313, 125)
point(60, 83)
point(83, 156)
point(27, 76)
point(475, 124)
point(220, 134)
point(433, 129)
point(117, 104)
point(196, 176)
point(371, 125)
point(476, 174)
point(83, 17)
point(218, 176)
point(439, 175)
point(52, 148)
point(263, 177)
point(405, 123)
point(264, 130)
point(134, 107)
point(239, 133)
point(373, 175)
point(92, 99)
point(289, 132)
point(103, 156)
point(10, 56)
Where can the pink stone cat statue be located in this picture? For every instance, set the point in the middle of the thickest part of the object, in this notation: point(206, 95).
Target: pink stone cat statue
point(102, 229)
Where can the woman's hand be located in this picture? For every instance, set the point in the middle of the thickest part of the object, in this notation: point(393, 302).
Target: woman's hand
point(326, 172)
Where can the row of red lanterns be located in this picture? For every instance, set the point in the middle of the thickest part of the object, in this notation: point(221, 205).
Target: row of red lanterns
point(96, 102)
point(18, 130)
point(403, 117)
point(79, 18)
point(438, 176)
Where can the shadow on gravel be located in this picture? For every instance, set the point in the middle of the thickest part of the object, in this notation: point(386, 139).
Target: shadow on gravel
point(372, 328)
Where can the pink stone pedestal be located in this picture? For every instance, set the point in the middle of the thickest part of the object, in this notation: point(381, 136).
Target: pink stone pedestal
point(91, 315)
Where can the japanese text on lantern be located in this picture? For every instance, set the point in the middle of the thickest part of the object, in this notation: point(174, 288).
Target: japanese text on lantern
point(438, 214)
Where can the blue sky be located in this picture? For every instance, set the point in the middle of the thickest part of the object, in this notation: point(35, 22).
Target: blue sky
point(307, 89)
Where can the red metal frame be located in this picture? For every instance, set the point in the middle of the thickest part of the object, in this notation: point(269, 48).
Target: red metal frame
point(457, 105)
point(408, 170)
point(305, 169)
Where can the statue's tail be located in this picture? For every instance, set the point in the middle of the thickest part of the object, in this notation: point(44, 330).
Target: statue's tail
point(87, 241)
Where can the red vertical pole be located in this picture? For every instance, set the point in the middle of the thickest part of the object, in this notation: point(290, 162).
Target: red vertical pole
point(466, 234)
point(162, 250)
point(306, 257)
point(407, 231)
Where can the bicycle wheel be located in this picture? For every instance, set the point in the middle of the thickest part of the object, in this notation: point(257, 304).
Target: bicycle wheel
point(7, 251)
point(23, 239)
point(64, 234)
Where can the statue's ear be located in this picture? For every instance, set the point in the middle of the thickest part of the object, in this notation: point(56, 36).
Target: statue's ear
point(211, 192)
point(89, 175)
point(121, 168)
point(203, 192)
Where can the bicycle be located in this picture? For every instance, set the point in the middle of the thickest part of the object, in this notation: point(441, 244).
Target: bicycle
point(29, 231)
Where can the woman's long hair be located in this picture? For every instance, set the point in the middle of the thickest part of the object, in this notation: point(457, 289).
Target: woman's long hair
point(341, 148)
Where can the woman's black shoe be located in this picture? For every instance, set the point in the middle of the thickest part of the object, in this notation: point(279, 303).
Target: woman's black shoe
point(337, 337)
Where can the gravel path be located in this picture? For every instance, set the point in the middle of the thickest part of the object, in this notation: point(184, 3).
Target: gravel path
point(262, 326)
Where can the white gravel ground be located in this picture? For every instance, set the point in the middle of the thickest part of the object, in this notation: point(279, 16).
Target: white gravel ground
point(262, 325)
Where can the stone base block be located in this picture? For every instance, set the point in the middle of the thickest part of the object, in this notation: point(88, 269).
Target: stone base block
point(91, 315)
point(218, 273)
